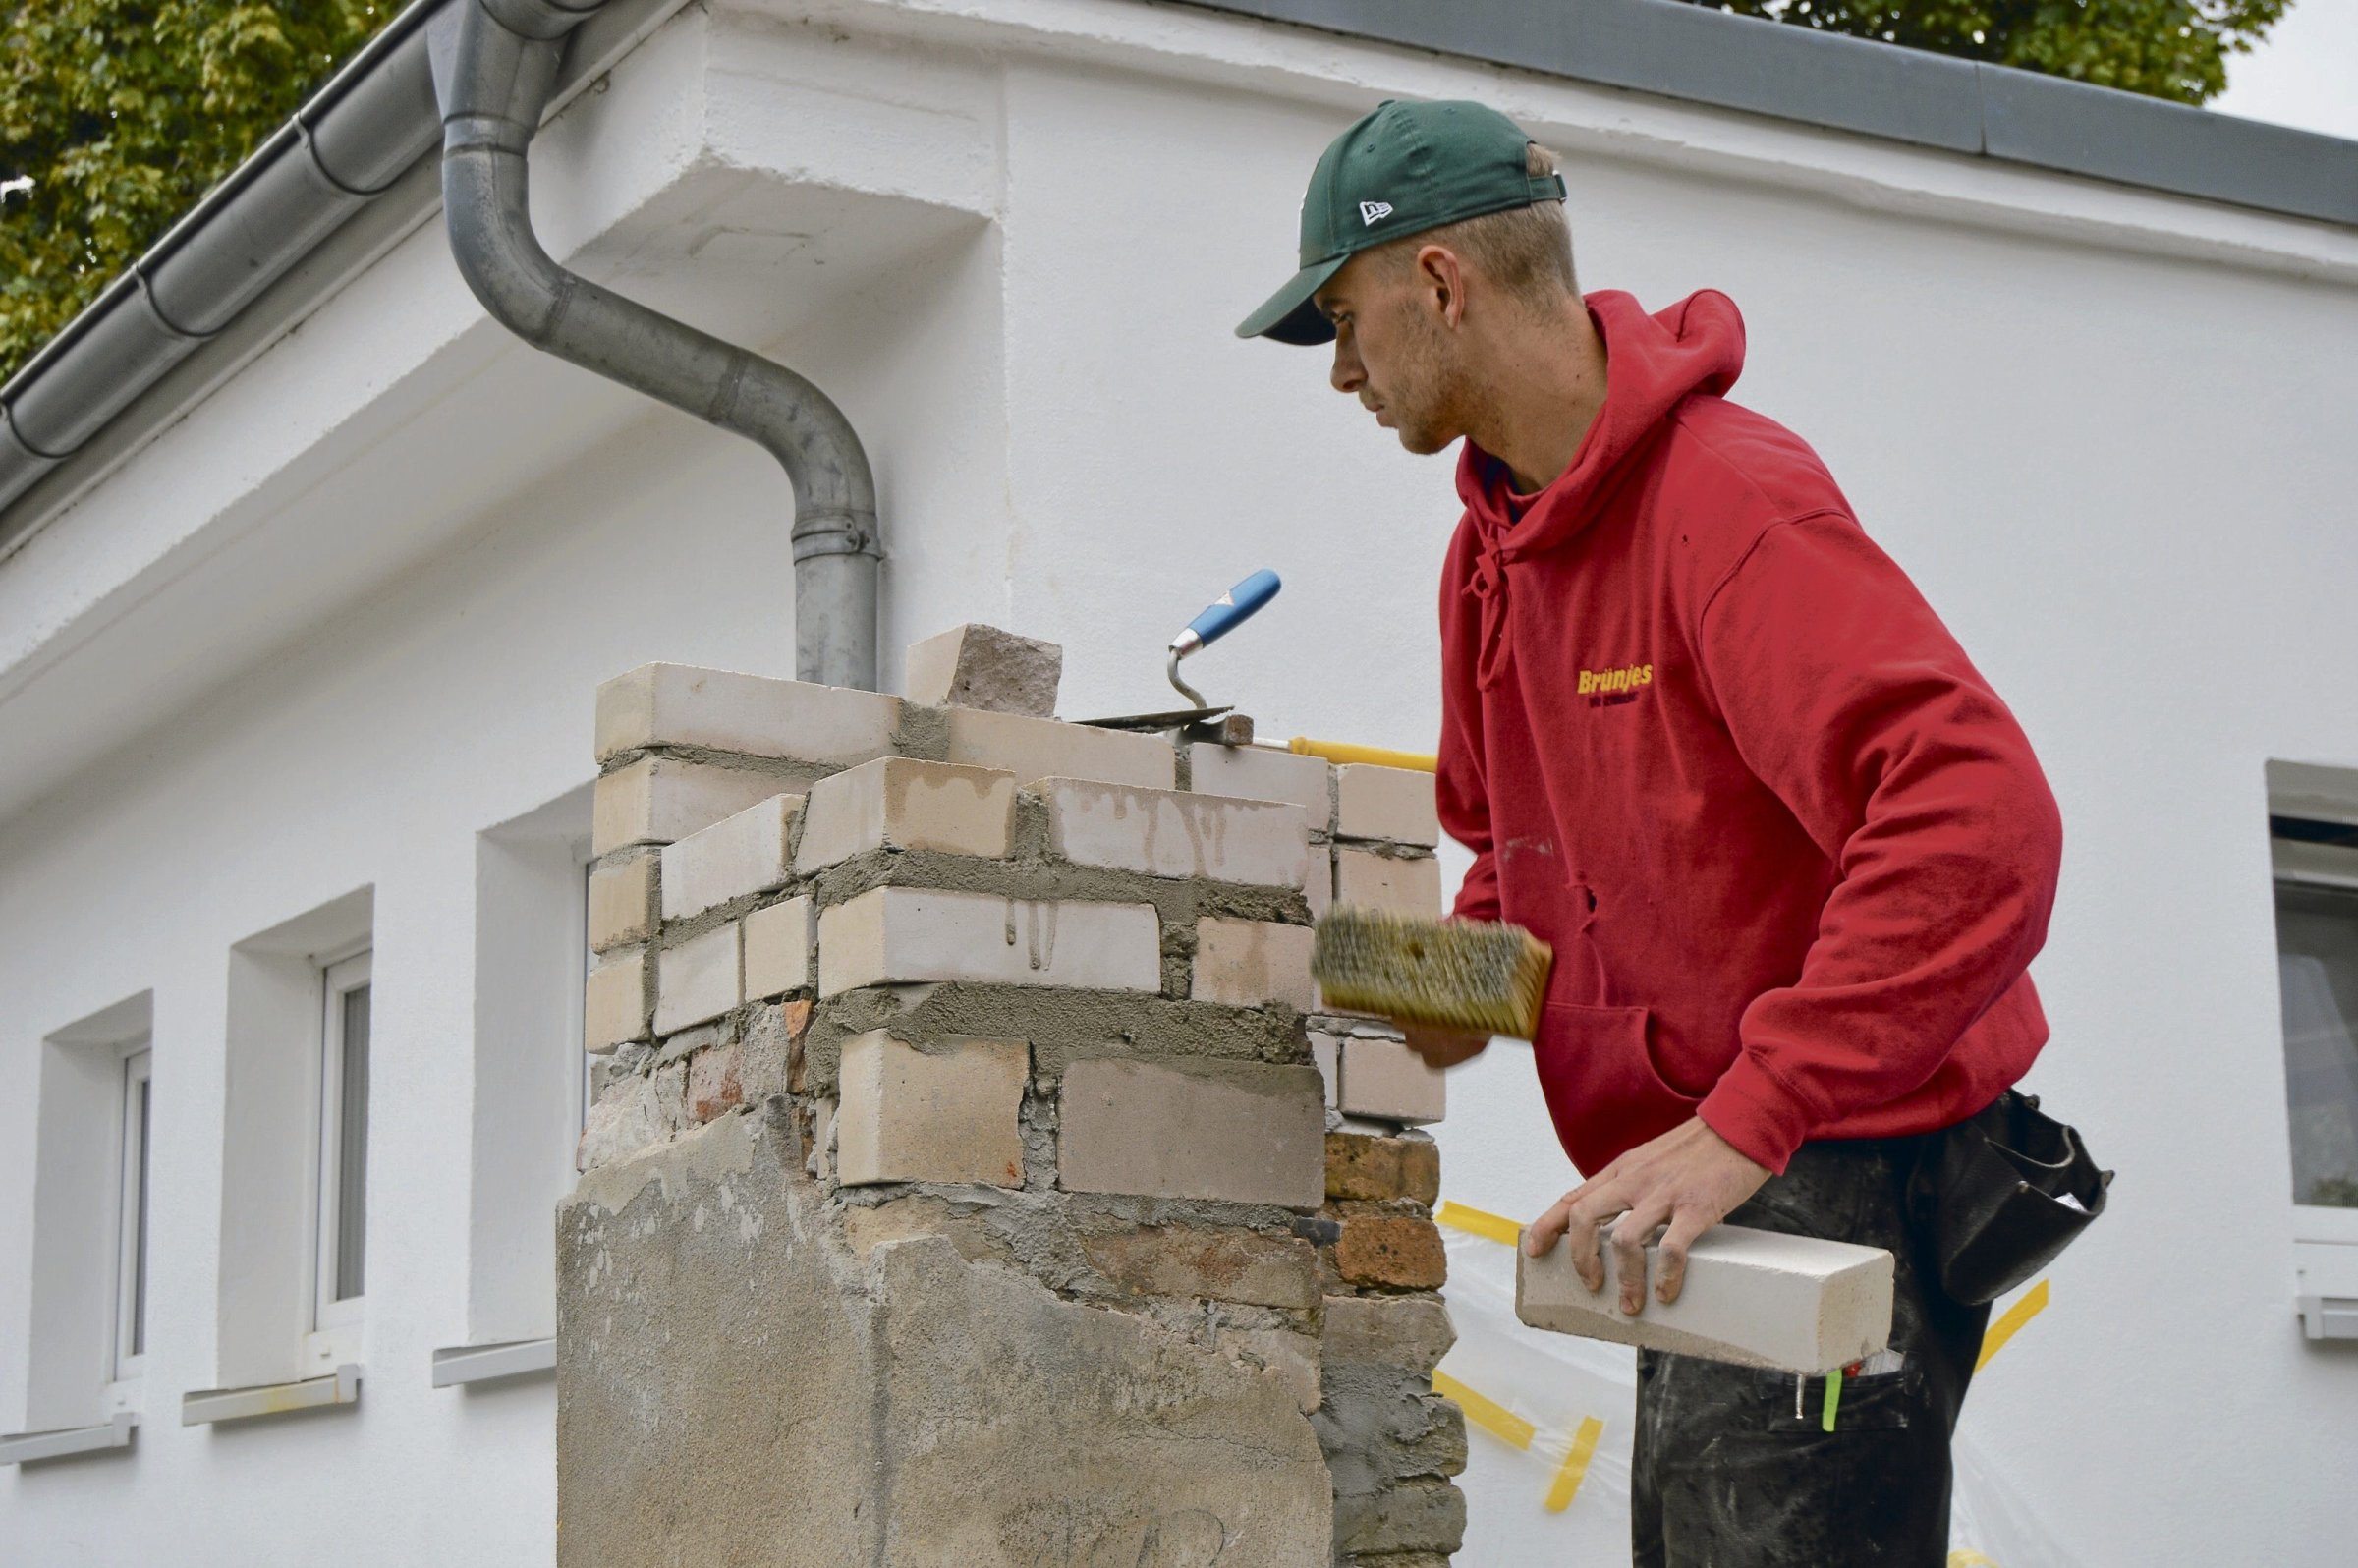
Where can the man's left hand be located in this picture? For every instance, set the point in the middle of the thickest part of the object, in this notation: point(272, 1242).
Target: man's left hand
point(1688, 1179)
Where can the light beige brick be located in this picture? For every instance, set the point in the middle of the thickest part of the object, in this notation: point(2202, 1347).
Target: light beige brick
point(679, 704)
point(1328, 1052)
point(1236, 1131)
point(981, 666)
point(900, 803)
point(1384, 1079)
point(1247, 962)
point(622, 901)
point(735, 858)
point(614, 1000)
point(659, 800)
point(698, 980)
point(1262, 773)
point(1172, 833)
point(1036, 748)
point(1387, 803)
point(1752, 1297)
point(1318, 890)
point(1411, 1331)
point(947, 1114)
point(891, 935)
point(777, 948)
point(1370, 881)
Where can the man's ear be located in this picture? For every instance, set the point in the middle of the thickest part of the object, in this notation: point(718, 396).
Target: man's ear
point(1440, 278)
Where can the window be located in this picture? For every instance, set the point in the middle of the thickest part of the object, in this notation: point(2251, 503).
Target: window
point(130, 1222)
point(2316, 866)
point(340, 1259)
point(87, 1323)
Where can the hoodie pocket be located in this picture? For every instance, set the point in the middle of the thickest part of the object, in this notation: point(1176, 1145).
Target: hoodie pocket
point(1603, 1091)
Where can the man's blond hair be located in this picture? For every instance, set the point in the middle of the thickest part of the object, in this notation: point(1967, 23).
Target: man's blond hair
point(1526, 251)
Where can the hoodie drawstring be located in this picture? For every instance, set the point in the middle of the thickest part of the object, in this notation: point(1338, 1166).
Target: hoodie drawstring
point(1488, 584)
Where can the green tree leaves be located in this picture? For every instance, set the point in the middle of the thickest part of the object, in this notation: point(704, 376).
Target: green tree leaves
point(122, 113)
point(2164, 48)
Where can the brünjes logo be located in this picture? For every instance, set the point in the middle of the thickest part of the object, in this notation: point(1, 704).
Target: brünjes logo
point(1614, 686)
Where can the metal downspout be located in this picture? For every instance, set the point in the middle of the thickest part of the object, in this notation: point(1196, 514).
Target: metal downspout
point(505, 59)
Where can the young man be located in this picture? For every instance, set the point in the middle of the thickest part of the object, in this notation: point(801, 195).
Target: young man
point(1704, 738)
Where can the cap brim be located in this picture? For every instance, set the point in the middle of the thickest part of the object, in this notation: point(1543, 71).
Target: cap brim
point(1288, 315)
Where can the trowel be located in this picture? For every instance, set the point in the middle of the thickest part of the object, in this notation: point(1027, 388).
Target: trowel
point(1204, 721)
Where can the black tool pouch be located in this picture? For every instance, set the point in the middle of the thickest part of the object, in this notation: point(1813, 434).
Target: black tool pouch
point(2004, 1193)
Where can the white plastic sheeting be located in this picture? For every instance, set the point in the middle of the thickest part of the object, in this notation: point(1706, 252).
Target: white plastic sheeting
point(1548, 1420)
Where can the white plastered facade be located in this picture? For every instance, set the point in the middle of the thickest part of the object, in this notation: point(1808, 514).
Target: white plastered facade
point(327, 644)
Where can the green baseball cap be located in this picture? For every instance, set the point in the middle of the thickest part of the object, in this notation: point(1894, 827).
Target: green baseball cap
point(1399, 170)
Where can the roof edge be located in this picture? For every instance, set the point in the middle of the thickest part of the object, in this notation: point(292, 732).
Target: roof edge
point(1701, 55)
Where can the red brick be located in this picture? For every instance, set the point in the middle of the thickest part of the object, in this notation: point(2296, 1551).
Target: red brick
point(1391, 1251)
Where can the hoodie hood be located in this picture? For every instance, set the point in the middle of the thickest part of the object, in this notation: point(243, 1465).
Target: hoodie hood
point(1653, 364)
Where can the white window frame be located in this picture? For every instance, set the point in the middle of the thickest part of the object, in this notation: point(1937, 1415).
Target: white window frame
point(133, 1161)
point(2321, 795)
point(335, 1320)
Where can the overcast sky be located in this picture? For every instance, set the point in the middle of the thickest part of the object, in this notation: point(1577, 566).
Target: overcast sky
point(2306, 73)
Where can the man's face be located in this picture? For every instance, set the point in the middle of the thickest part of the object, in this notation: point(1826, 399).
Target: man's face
point(1392, 349)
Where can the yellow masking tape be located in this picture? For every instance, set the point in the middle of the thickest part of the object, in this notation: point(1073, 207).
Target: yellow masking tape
point(1380, 757)
point(1964, 1557)
point(1475, 1222)
point(1994, 1341)
point(1490, 1416)
point(1566, 1485)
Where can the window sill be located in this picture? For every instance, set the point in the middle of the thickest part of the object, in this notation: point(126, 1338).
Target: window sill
point(475, 1364)
point(202, 1406)
point(24, 1447)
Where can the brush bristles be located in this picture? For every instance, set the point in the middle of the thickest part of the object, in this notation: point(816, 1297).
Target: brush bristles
point(1459, 974)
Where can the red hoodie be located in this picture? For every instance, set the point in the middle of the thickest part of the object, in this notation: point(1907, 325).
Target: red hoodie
point(1793, 853)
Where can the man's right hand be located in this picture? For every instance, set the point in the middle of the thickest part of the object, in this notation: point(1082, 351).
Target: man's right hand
point(1443, 1047)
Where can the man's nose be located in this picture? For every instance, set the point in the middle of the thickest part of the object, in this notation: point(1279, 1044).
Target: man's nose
point(1348, 374)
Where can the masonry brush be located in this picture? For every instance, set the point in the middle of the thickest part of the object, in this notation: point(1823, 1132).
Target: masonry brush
point(1474, 974)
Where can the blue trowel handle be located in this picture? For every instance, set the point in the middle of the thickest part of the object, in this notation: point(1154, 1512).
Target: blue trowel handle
point(1234, 608)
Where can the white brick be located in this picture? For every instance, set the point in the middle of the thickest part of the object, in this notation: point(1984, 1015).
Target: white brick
point(1262, 773)
point(679, 704)
point(659, 800)
point(900, 803)
point(1370, 880)
point(1036, 748)
point(1328, 1052)
point(1387, 803)
point(946, 1115)
point(624, 1120)
point(1235, 1131)
point(622, 901)
point(696, 980)
point(735, 858)
point(1385, 1078)
point(891, 935)
point(777, 949)
point(614, 1001)
point(1246, 963)
point(1752, 1297)
point(1318, 890)
point(1168, 833)
point(981, 666)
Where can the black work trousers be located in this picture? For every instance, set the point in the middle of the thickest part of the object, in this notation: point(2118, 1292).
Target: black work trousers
point(1732, 1466)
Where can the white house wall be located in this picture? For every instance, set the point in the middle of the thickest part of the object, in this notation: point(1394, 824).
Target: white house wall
point(346, 616)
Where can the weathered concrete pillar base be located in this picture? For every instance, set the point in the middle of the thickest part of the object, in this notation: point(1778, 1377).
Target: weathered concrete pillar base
point(738, 1386)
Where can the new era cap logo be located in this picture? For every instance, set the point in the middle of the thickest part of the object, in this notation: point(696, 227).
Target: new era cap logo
point(1370, 212)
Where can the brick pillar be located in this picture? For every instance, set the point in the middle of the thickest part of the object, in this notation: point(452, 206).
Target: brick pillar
point(961, 1186)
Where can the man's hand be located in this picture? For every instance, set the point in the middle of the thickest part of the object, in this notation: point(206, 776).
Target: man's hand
point(1688, 1179)
point(1442, 1048)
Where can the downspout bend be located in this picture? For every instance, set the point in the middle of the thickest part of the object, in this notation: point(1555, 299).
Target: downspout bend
point(504, 61)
